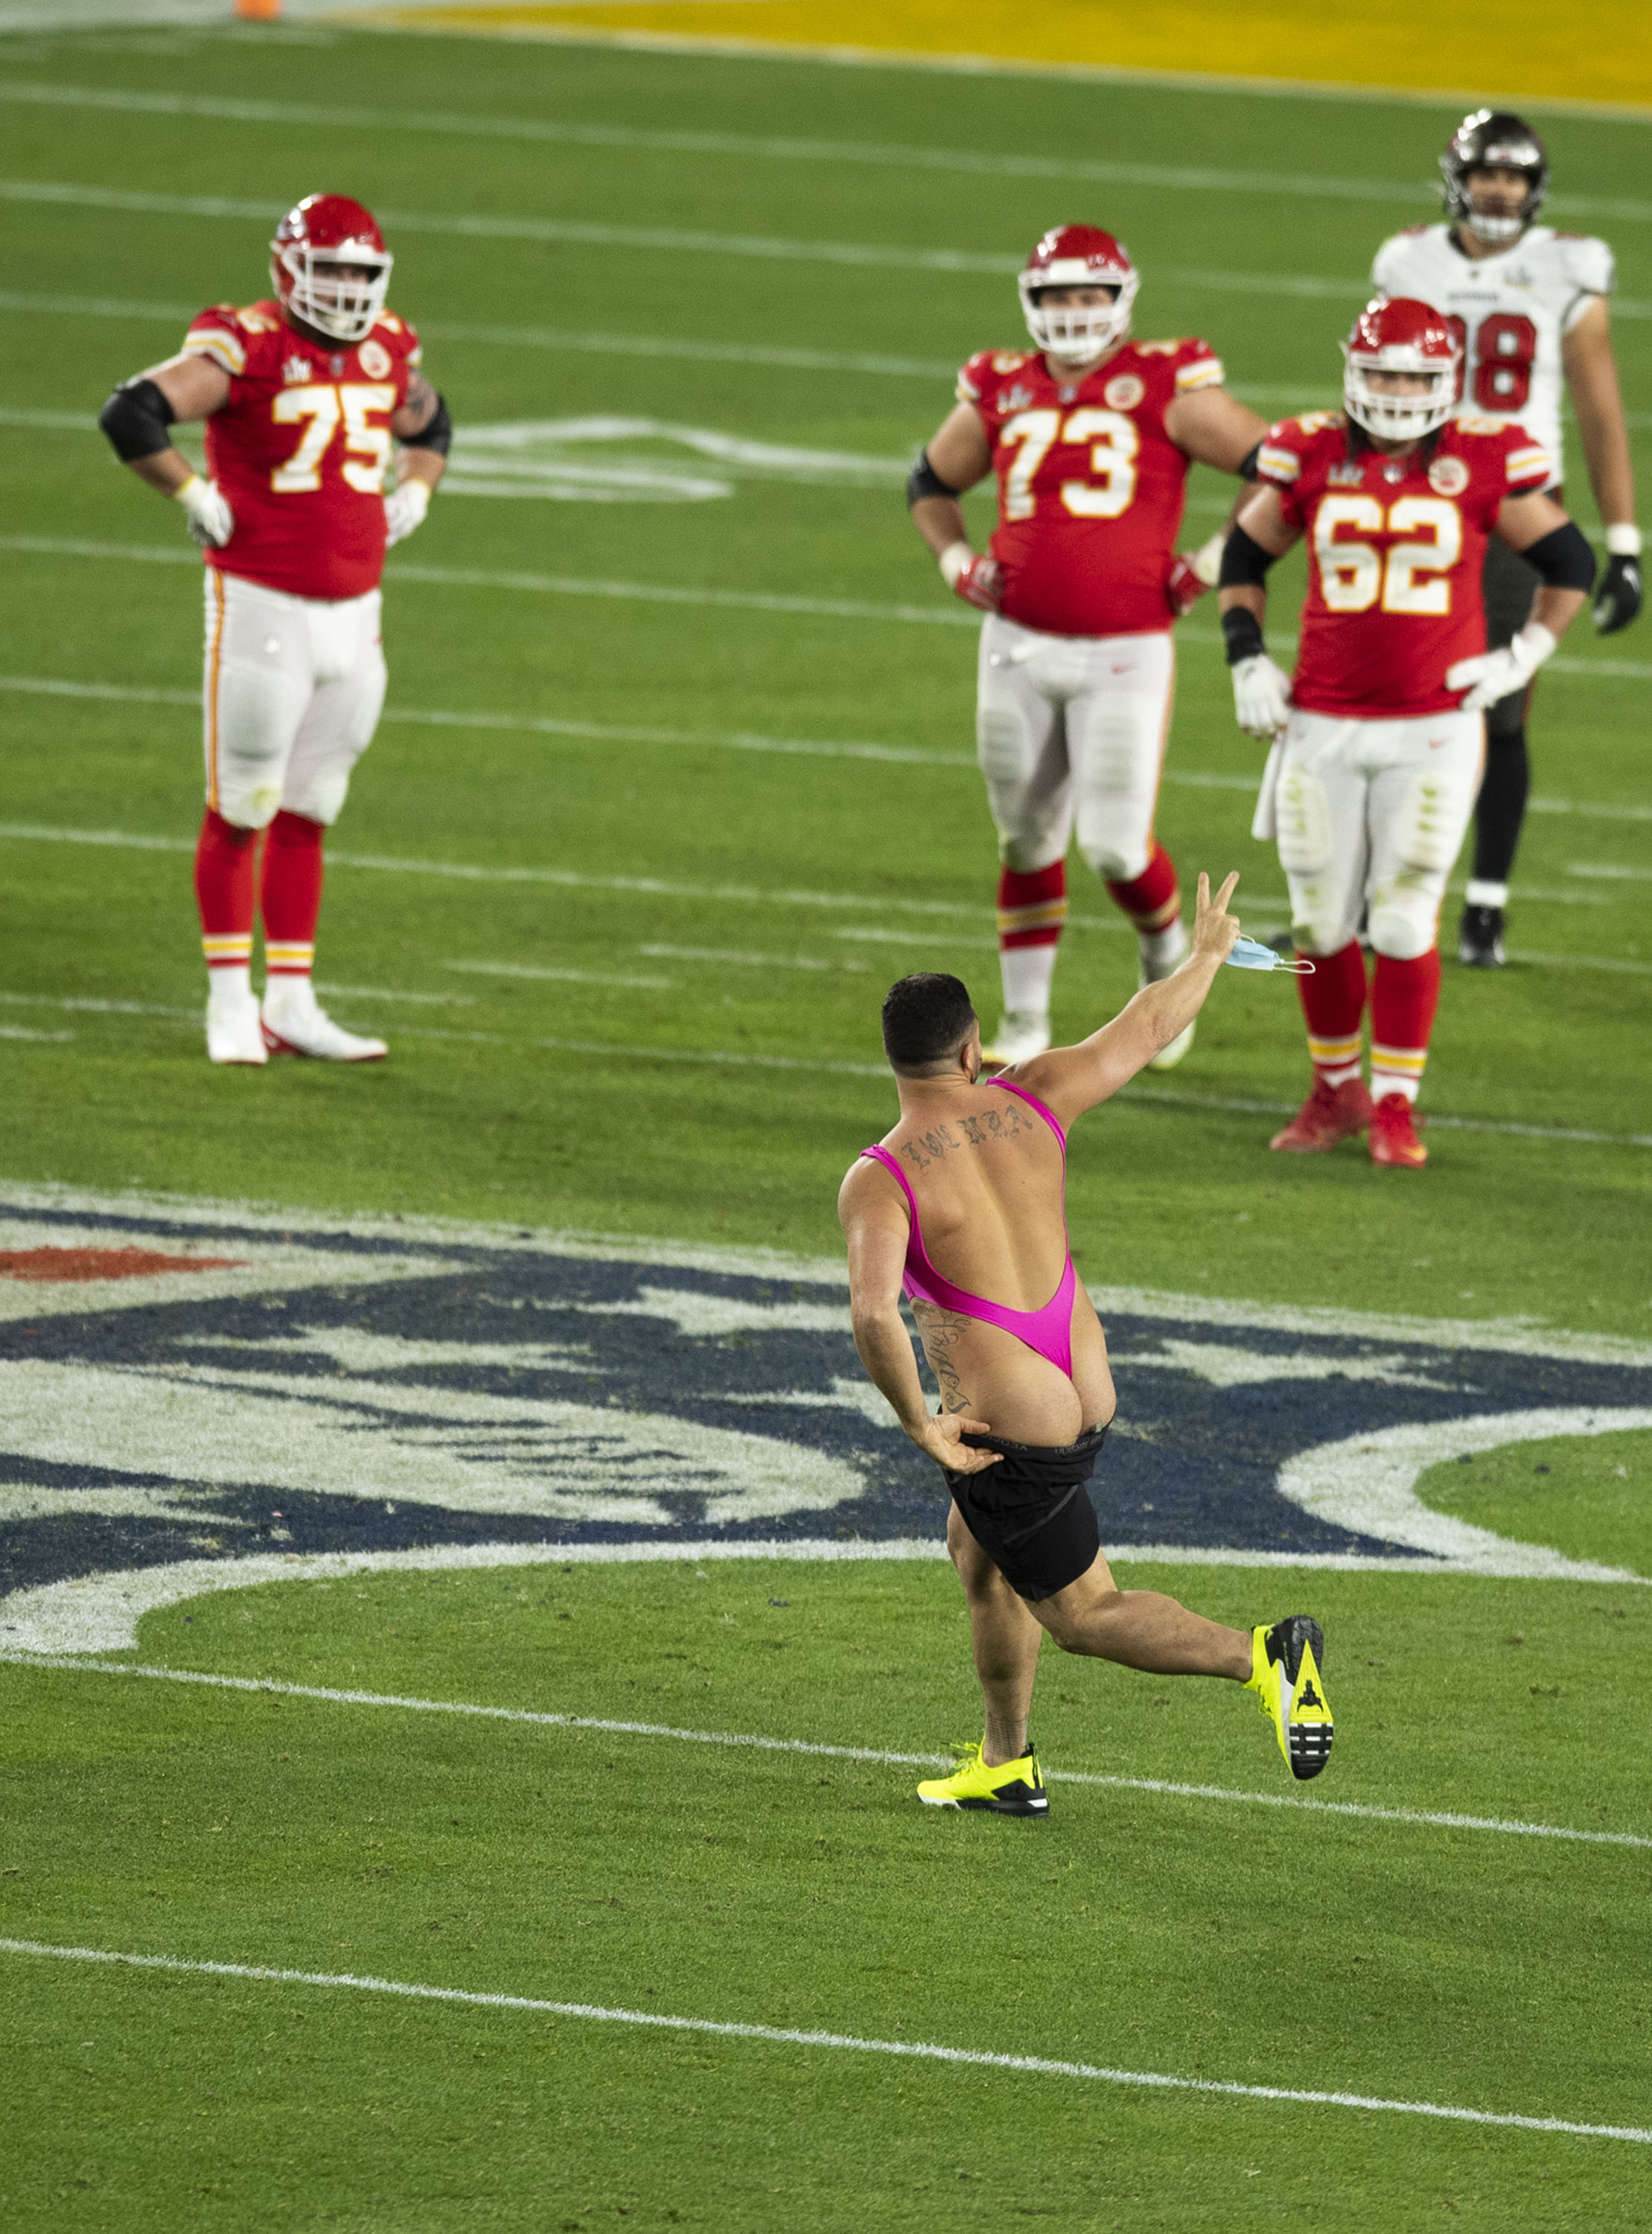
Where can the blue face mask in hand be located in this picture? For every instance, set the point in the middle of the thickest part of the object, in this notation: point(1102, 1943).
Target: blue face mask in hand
point(1251, 954)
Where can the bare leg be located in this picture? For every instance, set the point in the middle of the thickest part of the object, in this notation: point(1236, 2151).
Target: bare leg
point(1005, 1638)
point(1141, 1629)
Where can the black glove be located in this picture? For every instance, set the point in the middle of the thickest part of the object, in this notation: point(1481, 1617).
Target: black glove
point(1618, 602)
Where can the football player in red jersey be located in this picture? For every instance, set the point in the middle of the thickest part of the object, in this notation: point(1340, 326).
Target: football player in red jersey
point(1381, 730)
point(1090, 435)
point(304, 397)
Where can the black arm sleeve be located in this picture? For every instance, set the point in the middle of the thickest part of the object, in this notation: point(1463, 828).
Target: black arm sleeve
point(1244, 559)
point(437, 434)
point(1242, 634)
point(1562, 558)
point(923, 480)
point(1250, 464)
point(135, 419)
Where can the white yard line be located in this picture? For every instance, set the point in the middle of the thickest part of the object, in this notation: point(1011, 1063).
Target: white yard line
point(566, 586)
point(550, 725)
point(535, 337)
point(834, 153)
point(742, 1059)
point(661, 593)
point(789, 2037)
point(1428, 1819)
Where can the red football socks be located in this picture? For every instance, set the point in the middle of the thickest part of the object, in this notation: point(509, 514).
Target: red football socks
point(1153, 901)
point(291, 894)
point(1334, 1003)
point(1032, 907)
point(226, 865)
point(1404, 997)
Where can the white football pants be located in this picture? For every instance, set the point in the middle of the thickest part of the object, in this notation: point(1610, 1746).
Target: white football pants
point(292, 694)
point(1071, 729)
point(1372, 814)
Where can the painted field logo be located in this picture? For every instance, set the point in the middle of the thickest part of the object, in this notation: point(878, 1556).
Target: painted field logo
point(189, 1398)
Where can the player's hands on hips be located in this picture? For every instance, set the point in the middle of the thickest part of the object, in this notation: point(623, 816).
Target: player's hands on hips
point(1261, 696)
point(211, 520)
point(1215, 932)
point(971, 575)
point(1618, 601)
point(404, 510)
point(1495, 675)
point(937, 1438)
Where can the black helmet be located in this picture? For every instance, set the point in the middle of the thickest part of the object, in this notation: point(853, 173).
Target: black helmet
point(1493, 136)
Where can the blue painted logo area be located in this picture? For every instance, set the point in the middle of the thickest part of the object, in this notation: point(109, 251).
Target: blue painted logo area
point(183, 1390)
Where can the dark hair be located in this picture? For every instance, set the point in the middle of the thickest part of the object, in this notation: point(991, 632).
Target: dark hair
point(927, 1018)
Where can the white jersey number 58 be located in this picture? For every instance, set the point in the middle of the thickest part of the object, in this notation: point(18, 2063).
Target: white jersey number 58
point(1115, 442)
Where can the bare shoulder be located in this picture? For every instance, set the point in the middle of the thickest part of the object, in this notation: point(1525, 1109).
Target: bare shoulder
point(865, 1185)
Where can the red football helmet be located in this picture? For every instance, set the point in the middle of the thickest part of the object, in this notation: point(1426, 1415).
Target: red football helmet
point(1401, 335)
point(1078, 256)
point(325, 232)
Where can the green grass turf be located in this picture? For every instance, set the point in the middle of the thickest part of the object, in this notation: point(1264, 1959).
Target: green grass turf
point(1585, 1495)
point(1307, 1950)
point(1161, 1194)
point(1132, 1928)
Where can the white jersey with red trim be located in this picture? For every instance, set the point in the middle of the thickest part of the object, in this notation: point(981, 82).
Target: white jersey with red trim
point(1512, 309)
point(302, 447)
point(1090, 485)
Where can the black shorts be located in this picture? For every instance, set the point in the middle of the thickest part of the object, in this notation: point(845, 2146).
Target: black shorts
point(1032, 1514)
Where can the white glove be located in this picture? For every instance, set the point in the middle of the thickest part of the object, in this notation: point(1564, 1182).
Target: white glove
point(211, 520)
point(1495, 673)
point(404, 509)
point(1261, 696)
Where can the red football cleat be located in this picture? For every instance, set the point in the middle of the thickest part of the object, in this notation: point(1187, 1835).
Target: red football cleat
point(1393, 1133)
point(1329, 1114)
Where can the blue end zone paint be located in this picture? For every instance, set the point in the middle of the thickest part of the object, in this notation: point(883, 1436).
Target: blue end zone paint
point(581, 1400)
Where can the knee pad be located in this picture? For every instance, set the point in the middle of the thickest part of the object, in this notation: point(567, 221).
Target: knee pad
point(249, 733)
point(1039, 850)
point(322, 797)
point(1116, 866)
point(1404, 921)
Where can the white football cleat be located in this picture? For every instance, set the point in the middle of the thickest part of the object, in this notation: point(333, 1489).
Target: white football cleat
point(1024, 1033)
point(294, 1023)
point(234, 1031)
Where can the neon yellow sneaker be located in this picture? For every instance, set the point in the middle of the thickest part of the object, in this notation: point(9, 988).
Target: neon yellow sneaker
point(1284, 1675)
point(1013, 1787)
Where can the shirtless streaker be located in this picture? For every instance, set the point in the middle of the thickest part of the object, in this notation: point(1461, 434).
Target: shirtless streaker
point(962, 1206)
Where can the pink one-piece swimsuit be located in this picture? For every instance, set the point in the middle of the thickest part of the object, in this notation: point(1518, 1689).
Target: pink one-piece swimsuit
point(1049, 1329)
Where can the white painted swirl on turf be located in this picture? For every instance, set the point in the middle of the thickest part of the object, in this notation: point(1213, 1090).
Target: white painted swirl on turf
point(410, 1442)
point(1368, 1483)
point(530, 458)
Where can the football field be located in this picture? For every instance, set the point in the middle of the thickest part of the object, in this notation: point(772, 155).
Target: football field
point(527, 1838)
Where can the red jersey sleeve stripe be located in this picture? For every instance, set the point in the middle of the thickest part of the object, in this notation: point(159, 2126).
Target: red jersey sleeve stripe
point(1530, 464)
point(1275, 465)
point(1204, 372)
point(209, 339)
